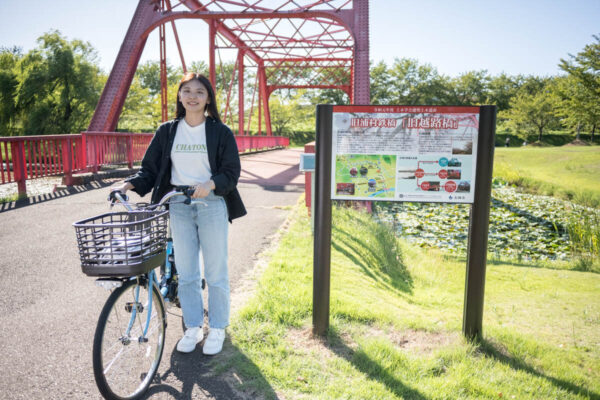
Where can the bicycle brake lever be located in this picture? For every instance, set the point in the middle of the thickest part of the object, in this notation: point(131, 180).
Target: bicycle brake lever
point(112, 197)
point(188, 192)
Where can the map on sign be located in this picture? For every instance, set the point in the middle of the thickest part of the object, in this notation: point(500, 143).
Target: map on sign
point(365, 175)
point(404, 153)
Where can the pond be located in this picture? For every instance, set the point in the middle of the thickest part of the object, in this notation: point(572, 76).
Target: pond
point(522, 226)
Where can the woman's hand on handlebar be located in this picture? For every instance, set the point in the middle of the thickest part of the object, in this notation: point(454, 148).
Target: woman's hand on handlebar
point(203, 189)
point(122, 187)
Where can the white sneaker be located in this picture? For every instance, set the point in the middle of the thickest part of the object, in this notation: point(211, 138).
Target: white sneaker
point(214, 341)
point(188, 342)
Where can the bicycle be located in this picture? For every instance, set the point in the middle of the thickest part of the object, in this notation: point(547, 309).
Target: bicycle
point(123, 249)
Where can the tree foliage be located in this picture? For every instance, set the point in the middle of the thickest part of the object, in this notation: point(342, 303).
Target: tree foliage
point(9, 83)
point(413, 83)
point(141, 110)
point(59, 86)
point(54, 88)
point(579, 93)
point(148, 76)
point(531, 113)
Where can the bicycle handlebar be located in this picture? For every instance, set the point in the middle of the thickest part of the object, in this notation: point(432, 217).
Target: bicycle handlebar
point(122, 198)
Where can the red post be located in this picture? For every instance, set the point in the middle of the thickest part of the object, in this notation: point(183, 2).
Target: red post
point(241, 92)
point(308, 148)
point(259, 130)
point(264, 93)
point(94, 153)
point(163, 74)
point(212, 32)
point(83, 152)
point(67, 147)
point(360, 64)
point(18, 158)
point(130, 150)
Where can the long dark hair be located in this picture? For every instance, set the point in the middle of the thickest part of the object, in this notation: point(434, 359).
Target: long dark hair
point(211, 108)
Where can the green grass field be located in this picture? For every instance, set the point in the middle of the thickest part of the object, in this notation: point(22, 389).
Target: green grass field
point(395, 325)
point(571, 172)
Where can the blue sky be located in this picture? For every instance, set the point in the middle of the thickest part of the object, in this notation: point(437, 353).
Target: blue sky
point(526, 36)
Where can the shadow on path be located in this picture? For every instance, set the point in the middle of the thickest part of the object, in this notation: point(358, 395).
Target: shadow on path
point(196, 375)
point(280, 182)
point(68, 191)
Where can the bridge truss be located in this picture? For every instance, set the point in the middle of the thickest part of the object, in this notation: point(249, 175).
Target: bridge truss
point(291, 44)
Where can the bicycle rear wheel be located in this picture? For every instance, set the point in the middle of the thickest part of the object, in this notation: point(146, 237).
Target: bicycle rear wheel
point(125, 361)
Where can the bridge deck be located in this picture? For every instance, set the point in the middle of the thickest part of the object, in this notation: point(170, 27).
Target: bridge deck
point(49, 307)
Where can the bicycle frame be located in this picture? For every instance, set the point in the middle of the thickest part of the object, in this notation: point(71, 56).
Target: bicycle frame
point(150, 278)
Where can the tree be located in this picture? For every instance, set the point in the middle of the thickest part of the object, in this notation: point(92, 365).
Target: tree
point(585, 66)
point(289, 113)
point(470, 88)
point(140, 112)
point(59, 86)
point(412, 83)
point(531, 113)
point(9, 82)
point(502, 88)
point(576, 105)
point(381, 84)
point(581, 100)
point(148, 75)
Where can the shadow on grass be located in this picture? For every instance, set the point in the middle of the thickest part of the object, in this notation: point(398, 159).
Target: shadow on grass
point(577, 265)
point(371, 368)
point(385, 266)
point(580, 264)
point(493, 350)
point(196, 375)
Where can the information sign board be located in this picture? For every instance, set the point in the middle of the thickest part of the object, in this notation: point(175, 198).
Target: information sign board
point(404, 153)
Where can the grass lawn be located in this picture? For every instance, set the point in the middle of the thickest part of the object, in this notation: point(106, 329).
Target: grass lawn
point(571, 172)
point(395, 325)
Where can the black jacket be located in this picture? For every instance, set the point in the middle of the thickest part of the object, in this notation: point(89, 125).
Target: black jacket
point(223, 157)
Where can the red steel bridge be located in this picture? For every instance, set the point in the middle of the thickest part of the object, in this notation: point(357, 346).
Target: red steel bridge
point(290, 44)
point(322, 44)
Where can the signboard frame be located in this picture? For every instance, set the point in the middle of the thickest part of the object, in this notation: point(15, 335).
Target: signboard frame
point(478, 221)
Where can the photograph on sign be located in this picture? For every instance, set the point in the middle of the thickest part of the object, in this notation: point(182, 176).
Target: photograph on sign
point(404, 153)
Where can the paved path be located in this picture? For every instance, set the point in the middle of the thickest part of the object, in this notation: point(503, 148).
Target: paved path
point(49, 308)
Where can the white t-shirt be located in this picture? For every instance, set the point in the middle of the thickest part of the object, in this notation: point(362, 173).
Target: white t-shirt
point(189, 158)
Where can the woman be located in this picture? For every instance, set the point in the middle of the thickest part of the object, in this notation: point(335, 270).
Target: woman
point(196, 149)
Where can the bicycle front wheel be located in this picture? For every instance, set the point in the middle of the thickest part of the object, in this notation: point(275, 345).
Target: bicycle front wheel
point(125, 359)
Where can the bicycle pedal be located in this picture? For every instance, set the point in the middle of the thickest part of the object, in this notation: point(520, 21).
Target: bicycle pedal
point(142, 339)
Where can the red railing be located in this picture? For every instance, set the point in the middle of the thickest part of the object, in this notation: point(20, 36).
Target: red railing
point(29, 157)
point(106, 148)
point(256, 143)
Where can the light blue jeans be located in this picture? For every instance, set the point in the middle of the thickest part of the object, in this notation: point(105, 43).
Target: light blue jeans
point(199, 229)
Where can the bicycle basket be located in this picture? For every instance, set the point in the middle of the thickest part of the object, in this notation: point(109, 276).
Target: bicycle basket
point(122, 243)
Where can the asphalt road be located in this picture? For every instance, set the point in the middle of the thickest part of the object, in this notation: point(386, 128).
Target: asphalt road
point(49, 308)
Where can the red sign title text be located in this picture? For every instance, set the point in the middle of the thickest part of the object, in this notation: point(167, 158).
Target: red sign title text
point(429, 123)
point(373, 123)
